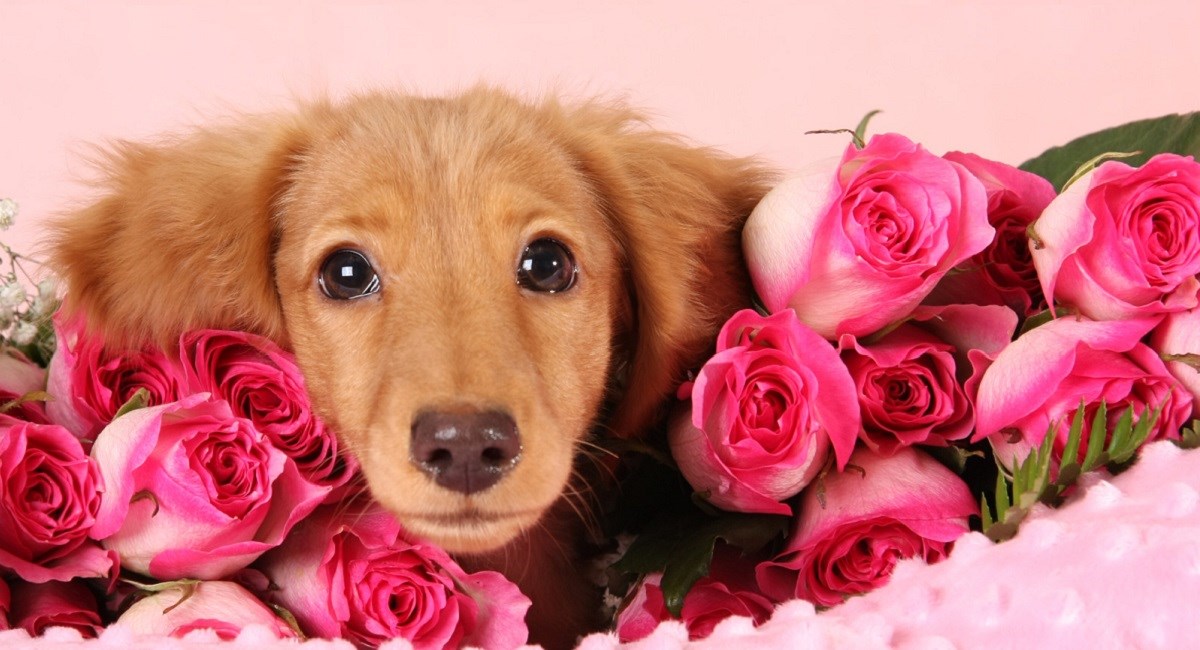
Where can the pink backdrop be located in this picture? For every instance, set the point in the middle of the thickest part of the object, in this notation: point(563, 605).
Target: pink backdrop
point(1002, 79)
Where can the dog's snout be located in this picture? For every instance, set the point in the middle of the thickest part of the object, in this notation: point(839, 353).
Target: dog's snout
point(467, 451)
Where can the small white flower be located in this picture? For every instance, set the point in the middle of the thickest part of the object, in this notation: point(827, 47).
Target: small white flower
point(24, 333)
point(12, 295)
point(47, 288)
point(8, 213)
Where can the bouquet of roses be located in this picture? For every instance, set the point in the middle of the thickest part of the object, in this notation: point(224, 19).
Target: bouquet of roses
point(928, 326)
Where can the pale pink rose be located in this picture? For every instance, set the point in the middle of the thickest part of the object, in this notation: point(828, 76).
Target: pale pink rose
point(855, 244)
point(1177, 340)
point(50, 496)
point(193, 491)
point(89, 384)
point(36, 607)
point(1122, 242)
point(354, 575)
point(223, 607)
point(20, 377)
point(262, 383)
point(1003, 273)
point(727, 590)
point(764, 413)
point(1038, 382)
point(910, 380)
point(849, 535)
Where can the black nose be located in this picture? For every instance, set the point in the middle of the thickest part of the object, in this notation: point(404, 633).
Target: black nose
point(465, 450)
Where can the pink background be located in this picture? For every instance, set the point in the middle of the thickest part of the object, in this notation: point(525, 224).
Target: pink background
point(1002, 79)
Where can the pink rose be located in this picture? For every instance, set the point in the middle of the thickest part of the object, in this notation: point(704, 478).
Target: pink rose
point(90, 384)
point(356, 576)
point(1176, 339)
point(855, 245)
point(18, 378)
point(1039, 380)
point(764, 412)
point(848, 539)
point(1003, 273)
point(1121, 242)
point(193, 491)
point(36, 607)
point(728, 590)
point(262, 383)
point(223, 607)
point(50, 495)
point(5, 605)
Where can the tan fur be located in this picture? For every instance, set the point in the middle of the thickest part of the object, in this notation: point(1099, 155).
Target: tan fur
point(228, 227)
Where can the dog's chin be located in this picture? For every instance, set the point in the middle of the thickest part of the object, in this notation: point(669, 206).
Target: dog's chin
point(470, 532)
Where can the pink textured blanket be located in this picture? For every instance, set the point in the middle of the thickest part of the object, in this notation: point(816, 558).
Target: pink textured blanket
point(1118, 566)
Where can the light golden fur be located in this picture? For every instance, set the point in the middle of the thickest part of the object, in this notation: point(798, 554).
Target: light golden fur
point(227, 228)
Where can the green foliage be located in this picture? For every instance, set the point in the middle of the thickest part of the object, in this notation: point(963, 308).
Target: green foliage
point(1171, 133)
point(1190, 436)
point(139, 400)
point(1031, 481)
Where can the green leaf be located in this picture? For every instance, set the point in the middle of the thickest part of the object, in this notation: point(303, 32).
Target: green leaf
point(860, 131)
point(1170, 133)
point(32, 396)
point(1190, 360)
point(682, 548)
point(1095, 162)
point(139, 400)
point(1093, 457)
point(1189, 438)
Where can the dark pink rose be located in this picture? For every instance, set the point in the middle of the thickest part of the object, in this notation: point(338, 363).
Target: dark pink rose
point(194, 491)
point(855, 244)
point(728, 590)
point(1037, 383)
point(18, 378)
point(5, 605)
point(1121, 242)
point(50, 495)
point(262, 383)
point(223, 607)
point(1177, 340)
point(36, 607)
point(1003, 273)
point(764, 413)
point(356, 576)
point(90, 384)
point(849, 536)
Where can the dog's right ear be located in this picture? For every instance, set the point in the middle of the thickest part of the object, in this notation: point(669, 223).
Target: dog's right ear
point(182, 235)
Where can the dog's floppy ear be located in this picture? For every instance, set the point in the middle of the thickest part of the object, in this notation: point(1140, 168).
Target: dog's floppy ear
point(677, 212)
point(181, 237)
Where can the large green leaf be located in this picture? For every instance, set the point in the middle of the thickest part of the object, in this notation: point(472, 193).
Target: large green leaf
point(1171, 133)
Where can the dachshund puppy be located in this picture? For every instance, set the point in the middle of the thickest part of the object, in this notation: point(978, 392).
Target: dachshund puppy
point(473, 286)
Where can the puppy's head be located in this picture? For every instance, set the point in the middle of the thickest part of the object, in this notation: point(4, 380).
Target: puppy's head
point(468, 284)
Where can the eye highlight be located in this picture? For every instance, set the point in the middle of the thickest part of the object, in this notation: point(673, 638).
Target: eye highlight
point(547, 266)
point(347, 274)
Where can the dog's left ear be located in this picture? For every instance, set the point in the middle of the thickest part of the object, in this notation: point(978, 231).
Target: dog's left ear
point(677, 212)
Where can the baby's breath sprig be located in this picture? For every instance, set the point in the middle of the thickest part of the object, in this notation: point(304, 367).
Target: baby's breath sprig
point(25, 318)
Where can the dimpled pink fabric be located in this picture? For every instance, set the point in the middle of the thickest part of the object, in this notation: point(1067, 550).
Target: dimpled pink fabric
point(1109, 569)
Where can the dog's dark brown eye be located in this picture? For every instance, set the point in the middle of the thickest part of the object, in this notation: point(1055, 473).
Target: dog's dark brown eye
point(546, 266)
point(346, 274)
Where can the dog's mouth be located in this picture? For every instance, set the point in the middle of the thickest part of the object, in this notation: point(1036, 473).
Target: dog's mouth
point(470, 530)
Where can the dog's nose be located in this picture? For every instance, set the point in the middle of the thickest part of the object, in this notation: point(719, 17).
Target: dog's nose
point(467, 451)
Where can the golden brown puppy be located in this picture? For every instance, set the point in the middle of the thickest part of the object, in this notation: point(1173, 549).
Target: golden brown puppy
point(472, 286)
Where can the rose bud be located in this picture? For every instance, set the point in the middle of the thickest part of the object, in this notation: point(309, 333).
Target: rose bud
point(1122, 242)
point(1177, 340)
point(1038, 382)
point(195, 492)
point(223, 607)
point(1003, 273)
point(764, 412)
point(853, 529)
point(262, 383)
point(36, 607)
point(354, 575)
point(855, 244)
point(89, 384)
point(727, 590)
point(18, 378)
point(50, 495)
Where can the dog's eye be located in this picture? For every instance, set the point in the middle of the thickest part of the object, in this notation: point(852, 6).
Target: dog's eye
point(546, 266)
point(346, 274)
